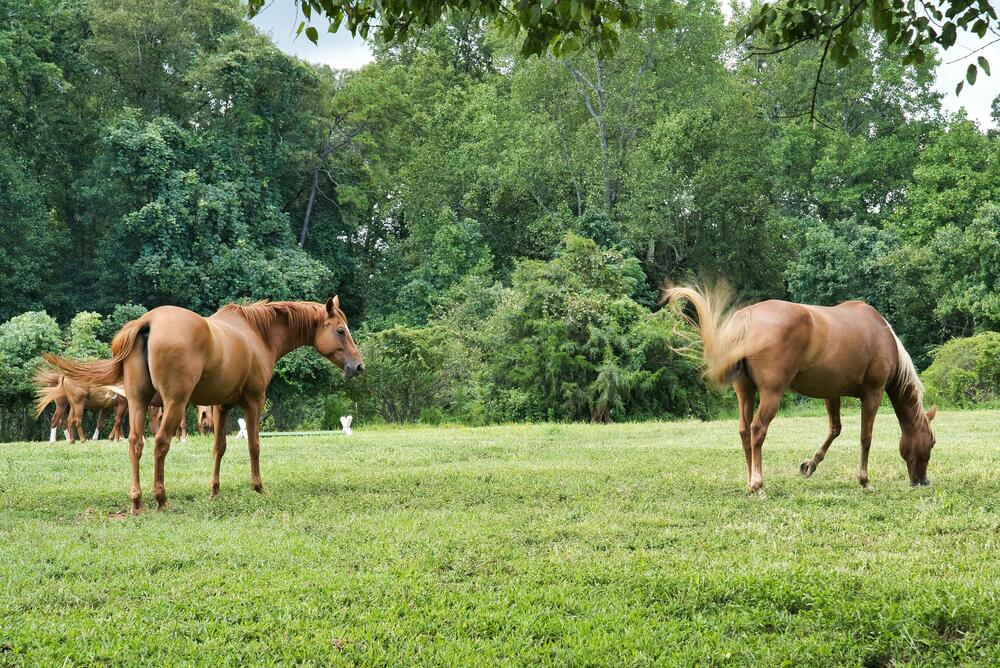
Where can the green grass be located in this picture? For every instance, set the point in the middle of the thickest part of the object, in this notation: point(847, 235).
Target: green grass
point(551, 544)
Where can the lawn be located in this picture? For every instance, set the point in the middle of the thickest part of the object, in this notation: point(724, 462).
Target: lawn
point(549, 544)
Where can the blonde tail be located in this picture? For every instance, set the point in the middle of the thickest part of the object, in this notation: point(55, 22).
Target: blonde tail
point(722, 328)
point(101, 372)
point(47, 393)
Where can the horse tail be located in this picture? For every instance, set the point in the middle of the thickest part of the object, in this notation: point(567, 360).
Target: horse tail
point(721, 325)
point(46, 392)
point(102, 372)
point(45, 377)
point(905, 377)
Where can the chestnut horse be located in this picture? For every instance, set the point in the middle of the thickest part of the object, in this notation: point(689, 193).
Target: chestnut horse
point(825, 352)
point(156, 413)
point(47, 380)
point(77, 397)
point(224, 360)
point(206, 425)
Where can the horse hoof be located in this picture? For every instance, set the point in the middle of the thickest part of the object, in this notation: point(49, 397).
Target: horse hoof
point(807, 468)
point(259, 488)
point(867, 488)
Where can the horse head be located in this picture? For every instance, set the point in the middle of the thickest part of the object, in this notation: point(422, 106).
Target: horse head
point(915, 446)
point(333, 340)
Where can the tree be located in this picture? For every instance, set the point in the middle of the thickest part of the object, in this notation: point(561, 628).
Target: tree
point(561, 26)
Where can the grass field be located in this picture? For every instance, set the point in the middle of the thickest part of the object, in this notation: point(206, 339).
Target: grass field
point(549, 544)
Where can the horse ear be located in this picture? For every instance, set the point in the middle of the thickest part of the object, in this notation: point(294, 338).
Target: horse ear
point(333, 305)
point(931, 413)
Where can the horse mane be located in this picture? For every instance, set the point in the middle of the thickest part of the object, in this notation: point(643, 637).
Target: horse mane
point(905, 377)
point(261, 316)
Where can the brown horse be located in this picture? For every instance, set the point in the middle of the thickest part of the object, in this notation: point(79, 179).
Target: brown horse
point(206, 424)
point(155, 415)
point(818, 351)
point(76, 397)
point(45, 381)
point(224, 360)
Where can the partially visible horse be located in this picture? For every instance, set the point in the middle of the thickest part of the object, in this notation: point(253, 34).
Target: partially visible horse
point(206, 423)
point(224, 360)
point(46, 380)
point(156, 414)
point(77, 396)
point(818, 351)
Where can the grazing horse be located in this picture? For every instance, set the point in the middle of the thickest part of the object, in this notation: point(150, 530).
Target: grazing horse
point(205, 423)
point(818, 351)
point(224, 360)
point(76, 396)
point(156, 413)
point(45, 381)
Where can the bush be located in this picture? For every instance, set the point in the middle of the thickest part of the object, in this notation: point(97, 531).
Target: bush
point(965, 372)
point(405, 373)
point(121, 314)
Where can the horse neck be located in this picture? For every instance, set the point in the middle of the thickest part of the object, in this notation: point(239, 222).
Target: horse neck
point(283, 338)
point(908, 408)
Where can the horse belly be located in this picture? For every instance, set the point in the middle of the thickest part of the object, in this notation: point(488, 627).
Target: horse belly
point(823, 383)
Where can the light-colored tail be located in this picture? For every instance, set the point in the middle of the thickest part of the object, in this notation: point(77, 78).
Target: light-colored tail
point(101, 372)
point(46, 392)
point(722, 327)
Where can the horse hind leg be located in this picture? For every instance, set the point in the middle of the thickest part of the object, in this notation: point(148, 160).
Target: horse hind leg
point(808, 467)
point(770, 400)
point(746, 392)
point(170, 422)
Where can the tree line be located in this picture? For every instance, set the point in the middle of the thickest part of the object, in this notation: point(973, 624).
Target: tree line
point(497, 225)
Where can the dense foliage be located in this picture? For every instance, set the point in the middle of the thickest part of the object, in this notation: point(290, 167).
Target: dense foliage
point(965, 372)
point(497, 226)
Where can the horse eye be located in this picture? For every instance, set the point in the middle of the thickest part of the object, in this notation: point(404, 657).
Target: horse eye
point(341, 332)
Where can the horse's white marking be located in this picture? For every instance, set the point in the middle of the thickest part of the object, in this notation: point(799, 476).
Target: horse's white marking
point(345, 422)
point(117, 389)
point(97, 434)
point(52, 434)
point(66, 431)
point(243, 428)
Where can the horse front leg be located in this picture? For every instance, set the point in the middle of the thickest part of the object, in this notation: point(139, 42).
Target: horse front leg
point(100, 424)
point(75, 422)
point(220, 415)
point(870, 403)
point(833, 411)
point(254, 408)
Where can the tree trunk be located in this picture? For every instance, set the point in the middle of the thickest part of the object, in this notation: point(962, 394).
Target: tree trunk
point(309, 207)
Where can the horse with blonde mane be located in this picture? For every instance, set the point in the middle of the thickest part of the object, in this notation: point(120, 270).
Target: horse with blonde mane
point(71, 398)
point(224, 360)
point(824, 352)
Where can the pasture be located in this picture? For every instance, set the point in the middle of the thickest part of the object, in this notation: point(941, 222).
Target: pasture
point(629, 544)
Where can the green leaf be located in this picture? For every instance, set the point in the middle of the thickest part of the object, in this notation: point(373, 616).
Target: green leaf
point(970, 75)
point(984, 65)
point(312, 35)
point(958, 88)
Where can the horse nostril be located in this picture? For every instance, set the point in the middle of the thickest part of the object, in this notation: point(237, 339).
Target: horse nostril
point(359, 369)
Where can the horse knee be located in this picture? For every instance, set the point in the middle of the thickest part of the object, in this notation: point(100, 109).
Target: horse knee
point(835, 429)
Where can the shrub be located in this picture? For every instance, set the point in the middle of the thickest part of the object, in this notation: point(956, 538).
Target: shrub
point(965, 371)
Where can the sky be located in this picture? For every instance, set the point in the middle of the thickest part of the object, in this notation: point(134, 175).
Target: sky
point(340, 50)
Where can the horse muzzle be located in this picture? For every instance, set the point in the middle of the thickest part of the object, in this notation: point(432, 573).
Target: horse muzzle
point(355, 369)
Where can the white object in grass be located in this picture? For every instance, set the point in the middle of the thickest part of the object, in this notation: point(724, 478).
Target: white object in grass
point(345, 422)
point(243, 428)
